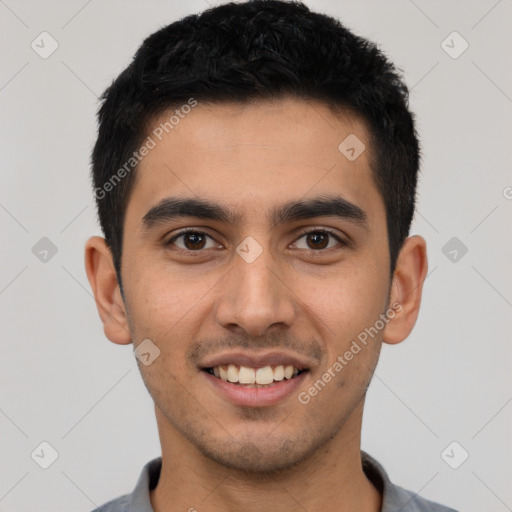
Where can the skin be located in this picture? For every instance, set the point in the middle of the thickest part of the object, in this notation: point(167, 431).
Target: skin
point(217, 456)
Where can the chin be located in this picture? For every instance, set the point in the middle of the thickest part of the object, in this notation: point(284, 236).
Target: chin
point(268, 455)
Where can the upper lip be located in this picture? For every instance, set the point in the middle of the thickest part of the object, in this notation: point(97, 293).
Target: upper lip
point(255, 360)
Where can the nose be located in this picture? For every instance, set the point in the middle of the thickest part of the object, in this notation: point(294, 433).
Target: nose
point(255, 296)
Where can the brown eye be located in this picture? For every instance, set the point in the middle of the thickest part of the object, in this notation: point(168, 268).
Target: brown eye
point(318, 240)
point(192, 241)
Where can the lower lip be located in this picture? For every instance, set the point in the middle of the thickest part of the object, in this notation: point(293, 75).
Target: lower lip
point(255, 397)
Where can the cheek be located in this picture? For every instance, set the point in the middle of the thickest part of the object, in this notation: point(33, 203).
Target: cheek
point(169, 304)
point(346, 303)
point(164, 302)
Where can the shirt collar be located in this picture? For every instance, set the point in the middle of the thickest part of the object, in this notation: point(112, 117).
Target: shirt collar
point(393, 497)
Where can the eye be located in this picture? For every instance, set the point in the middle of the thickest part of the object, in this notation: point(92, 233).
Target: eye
point(319, 239)
point(192, 240)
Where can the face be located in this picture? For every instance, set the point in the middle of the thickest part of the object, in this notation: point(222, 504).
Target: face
point(285, 262)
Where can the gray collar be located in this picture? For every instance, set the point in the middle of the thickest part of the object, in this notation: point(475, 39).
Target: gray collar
point(394, 498)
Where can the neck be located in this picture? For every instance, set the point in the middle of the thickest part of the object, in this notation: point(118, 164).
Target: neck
point(330, 480)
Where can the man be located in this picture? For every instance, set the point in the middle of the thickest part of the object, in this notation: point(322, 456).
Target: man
point(255, 175)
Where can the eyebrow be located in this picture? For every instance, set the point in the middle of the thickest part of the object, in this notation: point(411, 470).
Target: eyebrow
point(324, 206)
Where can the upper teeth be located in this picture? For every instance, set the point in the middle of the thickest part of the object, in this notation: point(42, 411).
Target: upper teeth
point(246, 375)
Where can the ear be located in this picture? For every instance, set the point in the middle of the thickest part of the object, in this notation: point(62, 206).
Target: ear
point(101, 273)
point(406, 289)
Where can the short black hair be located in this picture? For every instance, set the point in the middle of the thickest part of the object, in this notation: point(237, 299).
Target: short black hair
point(243, 52)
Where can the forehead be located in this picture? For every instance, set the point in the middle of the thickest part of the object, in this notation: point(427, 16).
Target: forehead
point(252, 157)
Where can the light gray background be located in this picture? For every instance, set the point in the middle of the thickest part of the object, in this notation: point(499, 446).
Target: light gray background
point(63, 382)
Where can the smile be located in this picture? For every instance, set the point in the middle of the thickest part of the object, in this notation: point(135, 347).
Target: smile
point(254, 377)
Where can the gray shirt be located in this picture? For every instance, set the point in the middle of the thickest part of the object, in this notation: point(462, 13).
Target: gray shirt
point(394, 498)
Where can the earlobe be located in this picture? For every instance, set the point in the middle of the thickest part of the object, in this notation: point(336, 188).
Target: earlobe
point(103, 280)
point(406, 289)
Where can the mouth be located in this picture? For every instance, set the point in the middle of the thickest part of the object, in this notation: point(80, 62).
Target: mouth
point(256, 379)
point(250, 377)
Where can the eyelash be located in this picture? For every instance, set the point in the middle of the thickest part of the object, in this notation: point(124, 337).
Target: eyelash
point(183, 232)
